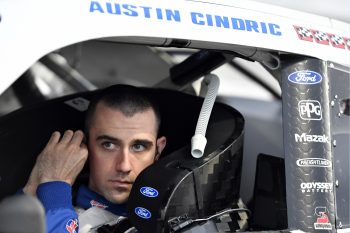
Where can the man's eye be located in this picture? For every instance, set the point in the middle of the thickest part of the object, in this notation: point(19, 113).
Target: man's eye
point(108, 145)
point(138, 147)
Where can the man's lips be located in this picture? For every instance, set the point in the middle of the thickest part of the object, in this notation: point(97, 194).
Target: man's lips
point(120, 183)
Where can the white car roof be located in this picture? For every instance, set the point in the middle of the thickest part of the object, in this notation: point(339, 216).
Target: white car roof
point(31, 29)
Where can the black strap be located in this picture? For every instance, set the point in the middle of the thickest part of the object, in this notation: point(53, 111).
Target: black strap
point(120, 227)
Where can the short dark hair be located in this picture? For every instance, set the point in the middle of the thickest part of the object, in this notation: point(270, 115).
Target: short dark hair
point(127, 99)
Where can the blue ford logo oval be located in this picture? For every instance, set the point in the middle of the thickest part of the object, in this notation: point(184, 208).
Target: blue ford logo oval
point(305, 77)
point(143, 213)
point(149, 192)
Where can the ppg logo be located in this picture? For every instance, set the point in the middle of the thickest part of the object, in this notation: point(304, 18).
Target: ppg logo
point(310, 110)
point(143, 213)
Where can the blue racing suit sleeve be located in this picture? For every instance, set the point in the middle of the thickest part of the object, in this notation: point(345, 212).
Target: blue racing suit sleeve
point(56, 197)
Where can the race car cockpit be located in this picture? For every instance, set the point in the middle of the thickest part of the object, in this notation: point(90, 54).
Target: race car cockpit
point(187, 188)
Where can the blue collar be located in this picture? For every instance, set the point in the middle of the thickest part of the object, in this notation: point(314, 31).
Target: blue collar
point(87, 199)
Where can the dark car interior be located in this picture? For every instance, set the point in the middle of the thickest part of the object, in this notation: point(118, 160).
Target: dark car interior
point(216, 175)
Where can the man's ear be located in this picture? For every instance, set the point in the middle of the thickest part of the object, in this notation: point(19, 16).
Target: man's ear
point(161, 142)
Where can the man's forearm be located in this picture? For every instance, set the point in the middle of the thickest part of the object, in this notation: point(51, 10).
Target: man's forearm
point(56, 198)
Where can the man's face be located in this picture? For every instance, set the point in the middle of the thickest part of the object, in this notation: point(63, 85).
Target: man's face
point(120, 148)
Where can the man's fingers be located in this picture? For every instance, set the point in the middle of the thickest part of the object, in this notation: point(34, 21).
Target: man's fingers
point(77, 137)
point(55, 137)
point(67, 137)
point(83, 146)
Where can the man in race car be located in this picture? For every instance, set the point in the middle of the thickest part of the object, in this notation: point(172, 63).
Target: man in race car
point(121, 129)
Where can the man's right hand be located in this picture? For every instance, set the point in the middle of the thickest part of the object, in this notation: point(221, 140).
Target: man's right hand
point(61, 160)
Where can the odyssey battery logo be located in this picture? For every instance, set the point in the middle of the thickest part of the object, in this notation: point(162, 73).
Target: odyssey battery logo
point(322, 221)
point(305, 77)
point(310, 110)
point(316, 187)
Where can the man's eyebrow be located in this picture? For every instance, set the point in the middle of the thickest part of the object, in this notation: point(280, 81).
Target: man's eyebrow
point(144, 142)
point(107, 137)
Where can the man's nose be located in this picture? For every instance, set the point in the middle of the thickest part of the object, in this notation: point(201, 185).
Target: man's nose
point(123, 161)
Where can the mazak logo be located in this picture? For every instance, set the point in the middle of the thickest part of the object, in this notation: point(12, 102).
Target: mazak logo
point(311, 138)
point(143, 213)
point(313, 162)
point(316, 187)
point(149, 192)
point(305, 77)
point(310, 110)
point(322, 221)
